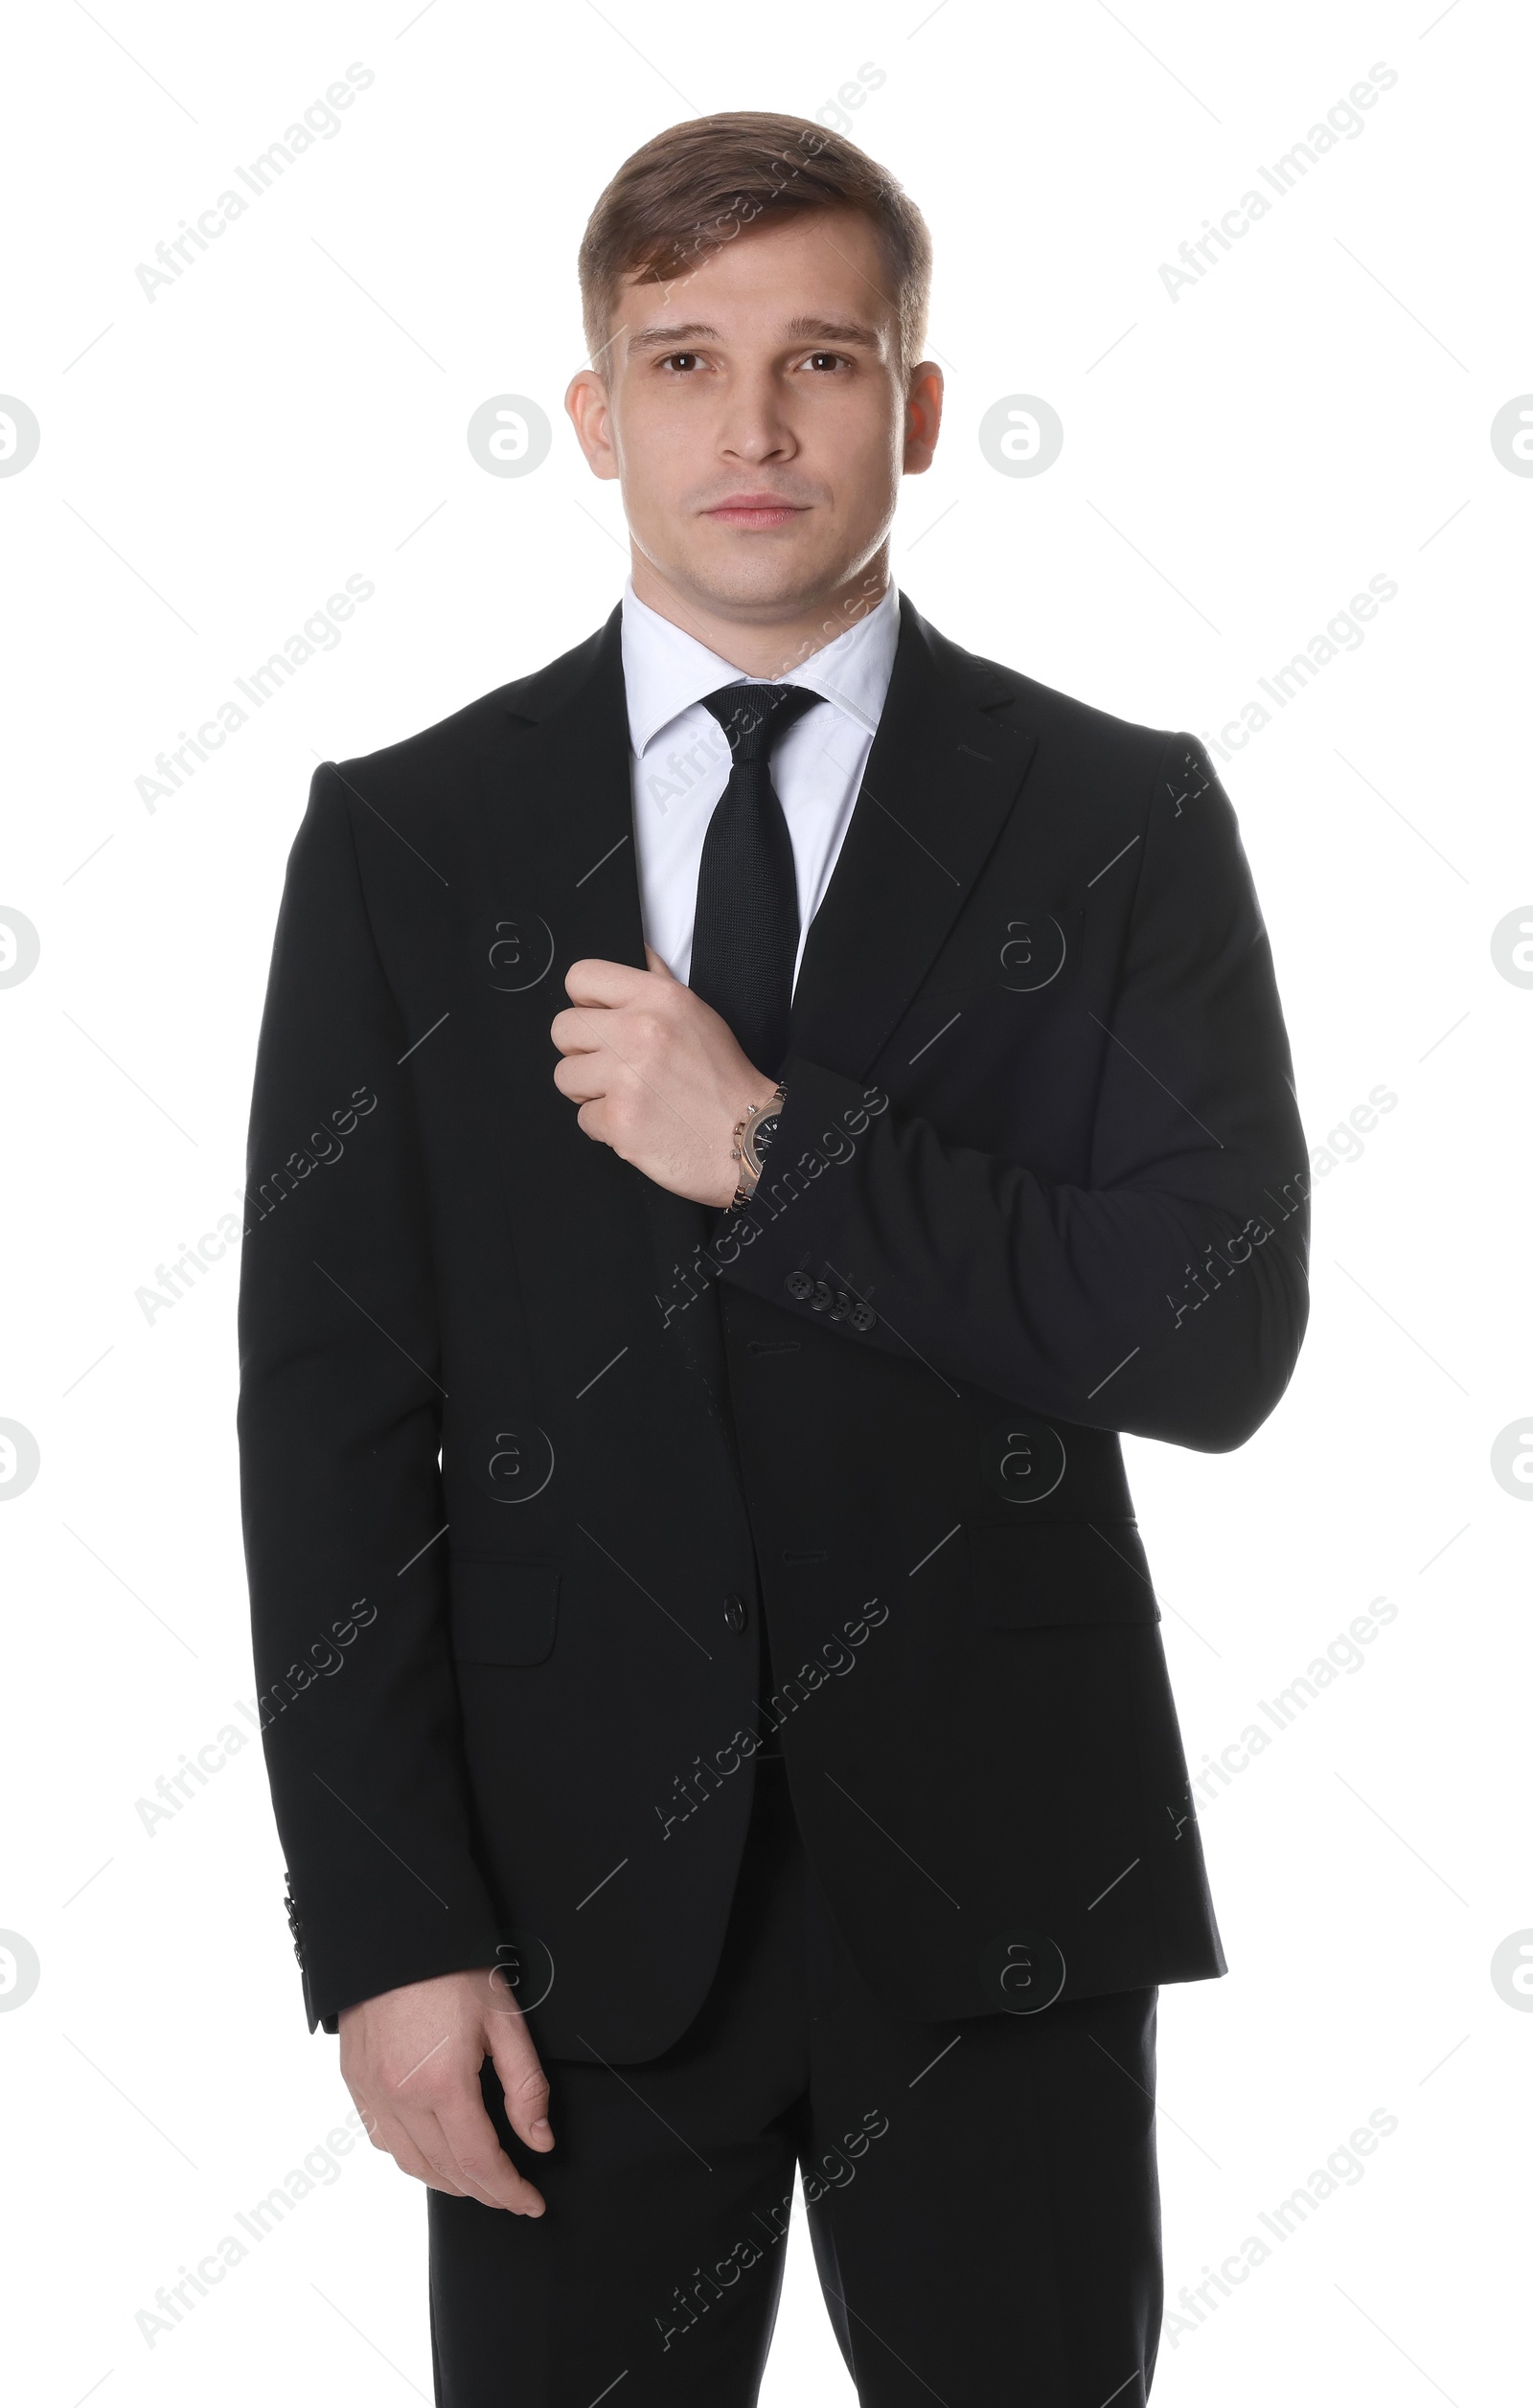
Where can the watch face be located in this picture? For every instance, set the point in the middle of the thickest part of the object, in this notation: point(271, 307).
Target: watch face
point(764, 1130)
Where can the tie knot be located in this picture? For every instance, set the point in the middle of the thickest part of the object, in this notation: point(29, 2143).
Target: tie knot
point(753, 716)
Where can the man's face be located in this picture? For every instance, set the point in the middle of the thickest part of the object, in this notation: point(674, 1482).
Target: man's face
point(756, 416)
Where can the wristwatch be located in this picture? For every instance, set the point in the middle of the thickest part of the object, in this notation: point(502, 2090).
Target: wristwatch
point(753, 1135)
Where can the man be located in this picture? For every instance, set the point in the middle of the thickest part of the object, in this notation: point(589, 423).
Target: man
point(714, 1710)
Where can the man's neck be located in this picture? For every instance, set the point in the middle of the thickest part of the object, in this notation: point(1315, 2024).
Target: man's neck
point(761, 643)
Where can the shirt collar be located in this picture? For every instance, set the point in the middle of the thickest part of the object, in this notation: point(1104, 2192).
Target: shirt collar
point(665, 670)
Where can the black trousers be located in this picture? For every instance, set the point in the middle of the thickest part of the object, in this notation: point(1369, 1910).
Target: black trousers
point(981, 2196)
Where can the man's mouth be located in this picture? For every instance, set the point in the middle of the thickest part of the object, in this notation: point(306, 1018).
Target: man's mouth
point(750, 510)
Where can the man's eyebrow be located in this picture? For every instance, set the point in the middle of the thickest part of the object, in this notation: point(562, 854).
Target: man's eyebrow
point(670, 337)
point(832, 330)
point(667, 338)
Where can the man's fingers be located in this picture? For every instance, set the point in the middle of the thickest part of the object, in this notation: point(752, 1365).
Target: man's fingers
point(587, 1028)
point(597, 982)
point(522, 2080)
point(593, 1121)
point(578, 1031)
point(387, 2132)
point(454, 2147)
point(582, 1077)
point(476, 2156)
point(451, 2145)
point(428, 2139)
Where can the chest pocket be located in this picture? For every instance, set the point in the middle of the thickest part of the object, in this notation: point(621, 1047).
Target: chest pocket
point(1027, 951)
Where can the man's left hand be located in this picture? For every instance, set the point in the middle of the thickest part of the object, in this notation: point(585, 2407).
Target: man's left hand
point(657, 1075)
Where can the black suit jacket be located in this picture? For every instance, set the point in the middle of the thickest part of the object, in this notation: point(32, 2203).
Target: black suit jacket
point(530, 1445)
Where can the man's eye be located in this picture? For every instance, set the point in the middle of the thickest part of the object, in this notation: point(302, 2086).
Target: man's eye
point(672, 357)
point(831, 360)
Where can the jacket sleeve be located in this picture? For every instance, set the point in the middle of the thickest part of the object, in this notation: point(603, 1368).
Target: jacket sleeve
point(1167, 1296)
point(339, 1426)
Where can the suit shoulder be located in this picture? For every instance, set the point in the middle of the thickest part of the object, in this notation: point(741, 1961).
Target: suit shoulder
point(463, 734)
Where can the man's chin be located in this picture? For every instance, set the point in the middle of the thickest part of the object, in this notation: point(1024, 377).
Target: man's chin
point(756, 578)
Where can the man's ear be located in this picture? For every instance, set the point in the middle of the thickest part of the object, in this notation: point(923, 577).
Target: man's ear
point(589, 410)
point(922, 416)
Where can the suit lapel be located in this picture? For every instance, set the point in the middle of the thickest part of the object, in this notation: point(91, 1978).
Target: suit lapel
point(560, 757)
point(941, 777)
point(560, 760)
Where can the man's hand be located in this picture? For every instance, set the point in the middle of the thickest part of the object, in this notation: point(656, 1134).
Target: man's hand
point(658, 1074)
point(411, 2060)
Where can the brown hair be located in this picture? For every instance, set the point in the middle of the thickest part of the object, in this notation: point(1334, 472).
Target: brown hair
point(701, 184)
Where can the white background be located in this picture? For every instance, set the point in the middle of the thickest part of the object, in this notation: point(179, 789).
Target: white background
point(1238, 462)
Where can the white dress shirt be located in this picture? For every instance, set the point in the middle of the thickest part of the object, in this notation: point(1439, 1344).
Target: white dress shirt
point(679, 758)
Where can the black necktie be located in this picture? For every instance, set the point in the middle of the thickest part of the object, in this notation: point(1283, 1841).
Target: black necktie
point(745, 933)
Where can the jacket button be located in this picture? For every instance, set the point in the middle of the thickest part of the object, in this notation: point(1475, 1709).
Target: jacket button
point(735, 1613)
point(823, 1297)
point(799, 1285)
point(863, 1317)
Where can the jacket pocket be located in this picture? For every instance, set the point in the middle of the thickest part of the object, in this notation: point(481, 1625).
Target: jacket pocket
point(502, 1612)
point(1054, 1573)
